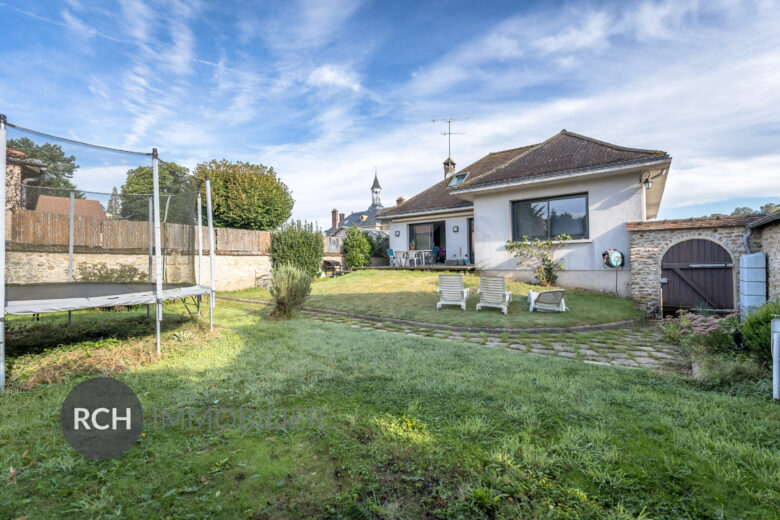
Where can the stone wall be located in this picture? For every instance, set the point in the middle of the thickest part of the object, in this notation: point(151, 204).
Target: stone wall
point(769, 236)
point(233, 271)
point(648, 246)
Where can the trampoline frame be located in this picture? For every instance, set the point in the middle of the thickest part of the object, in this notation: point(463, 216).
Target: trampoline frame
point(147, 294)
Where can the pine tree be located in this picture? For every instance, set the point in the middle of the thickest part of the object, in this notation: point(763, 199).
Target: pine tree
point(114, 207)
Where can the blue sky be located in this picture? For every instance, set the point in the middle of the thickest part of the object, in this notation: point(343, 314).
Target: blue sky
point(327, 90)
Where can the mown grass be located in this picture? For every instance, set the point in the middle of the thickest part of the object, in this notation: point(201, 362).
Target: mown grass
point(412, 428)
point(412, 295)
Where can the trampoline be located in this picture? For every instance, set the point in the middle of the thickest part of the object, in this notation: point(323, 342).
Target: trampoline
point(66, 248)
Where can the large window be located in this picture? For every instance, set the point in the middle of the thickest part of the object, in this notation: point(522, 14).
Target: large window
point(548, 218)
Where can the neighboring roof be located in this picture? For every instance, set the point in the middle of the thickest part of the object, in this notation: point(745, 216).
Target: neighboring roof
point(564, 152)
point(376, 182)
point(763, 221)
point(61, 205)
point(15, 154)
point(691, 223)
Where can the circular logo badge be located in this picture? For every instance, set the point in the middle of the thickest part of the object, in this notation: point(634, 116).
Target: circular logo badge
point(101, 418)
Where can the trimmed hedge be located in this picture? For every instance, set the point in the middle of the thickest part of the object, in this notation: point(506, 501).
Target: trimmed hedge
point(246, 195)
point(299, 244)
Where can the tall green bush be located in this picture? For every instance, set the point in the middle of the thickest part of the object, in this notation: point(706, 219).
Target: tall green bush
point(299, 244)
point(246, 195)
point(357, 247)
point(289, 287)
point(756, 329)
point(379, 244)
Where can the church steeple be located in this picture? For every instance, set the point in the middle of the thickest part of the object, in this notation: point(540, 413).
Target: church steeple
point(376, 192)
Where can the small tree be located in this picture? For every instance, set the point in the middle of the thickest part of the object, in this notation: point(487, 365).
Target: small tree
point(114, 206)
point(357, 247)
point(539, 255)
point(289, 287)
point(299, 244)
point(139, 182)
point(246, 195)
point(379, 244)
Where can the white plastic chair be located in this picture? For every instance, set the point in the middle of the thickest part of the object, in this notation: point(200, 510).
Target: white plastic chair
point(551, 300)
point(451, 291)
point(492, 293)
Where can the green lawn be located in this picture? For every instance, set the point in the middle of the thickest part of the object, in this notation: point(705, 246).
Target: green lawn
point(412, 295)
point(412, 428)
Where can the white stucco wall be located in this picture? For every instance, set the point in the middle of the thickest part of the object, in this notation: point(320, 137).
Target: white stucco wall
point(612, 202)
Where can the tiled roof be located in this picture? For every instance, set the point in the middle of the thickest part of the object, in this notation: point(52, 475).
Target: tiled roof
point(691, 223)
point(438, 196)
point(564, 152)
point(61, 205)
point(768, 219)
point(16, 154)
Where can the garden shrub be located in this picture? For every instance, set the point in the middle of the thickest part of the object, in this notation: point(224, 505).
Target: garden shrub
point(290, 286)
point(540, 256)
point(756, 329)
point(710, 332)
point(357, 247)
point(101, 272)
point(379, 245)
point(299, 244)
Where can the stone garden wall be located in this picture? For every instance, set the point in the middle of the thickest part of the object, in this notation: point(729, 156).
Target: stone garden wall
point(769, 237)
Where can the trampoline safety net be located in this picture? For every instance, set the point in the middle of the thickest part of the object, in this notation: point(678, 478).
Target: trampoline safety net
point(80, 226)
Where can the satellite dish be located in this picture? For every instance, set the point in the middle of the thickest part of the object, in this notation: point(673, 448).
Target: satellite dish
point(613, 258)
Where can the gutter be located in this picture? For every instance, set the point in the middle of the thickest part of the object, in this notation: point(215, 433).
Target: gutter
point(455, 209)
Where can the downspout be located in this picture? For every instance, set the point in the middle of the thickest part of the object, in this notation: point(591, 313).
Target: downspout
point(25, 186)
point(745, 240)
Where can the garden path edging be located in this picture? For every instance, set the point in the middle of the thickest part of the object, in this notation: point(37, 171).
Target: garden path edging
point(491, 330)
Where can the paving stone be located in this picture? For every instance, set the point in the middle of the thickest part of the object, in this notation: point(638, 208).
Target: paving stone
point(542, 351)
point(560, 347)
point(663, 355)
point(588, 352)
point(518, 346)
point(567, 354)
point(592, 362)
point(625, 362)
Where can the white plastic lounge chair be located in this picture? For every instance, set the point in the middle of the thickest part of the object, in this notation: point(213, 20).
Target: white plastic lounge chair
point(492, 293)
point(551, 300)
point(451, 291)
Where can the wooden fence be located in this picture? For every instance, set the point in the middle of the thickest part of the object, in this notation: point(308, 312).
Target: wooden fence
point(37, 228)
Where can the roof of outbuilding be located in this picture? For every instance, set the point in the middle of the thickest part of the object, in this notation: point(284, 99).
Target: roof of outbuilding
point(768, 219)
point(691, 223)
point(61, 205)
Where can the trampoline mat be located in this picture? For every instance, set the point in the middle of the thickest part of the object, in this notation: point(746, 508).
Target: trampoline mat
point(40, 298)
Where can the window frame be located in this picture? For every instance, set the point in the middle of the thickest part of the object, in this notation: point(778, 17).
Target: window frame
point(454, 177)
point(586, 236)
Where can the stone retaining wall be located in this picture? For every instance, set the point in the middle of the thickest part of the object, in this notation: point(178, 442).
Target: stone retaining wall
point(233, 271)
point(769, 237)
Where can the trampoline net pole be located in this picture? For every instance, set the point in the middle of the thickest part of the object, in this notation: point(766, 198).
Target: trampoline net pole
point(200, 242)
point(2, 251)
point(212, 252)
point(151, 248)
point(157, 242)
point(71, 233)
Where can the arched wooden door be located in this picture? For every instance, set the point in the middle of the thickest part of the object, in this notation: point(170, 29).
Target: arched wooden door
point(697, 273)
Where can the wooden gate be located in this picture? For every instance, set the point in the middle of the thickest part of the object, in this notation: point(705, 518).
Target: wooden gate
point(697, 274)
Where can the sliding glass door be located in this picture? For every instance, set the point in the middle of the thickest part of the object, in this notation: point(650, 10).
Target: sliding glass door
point(421, 236)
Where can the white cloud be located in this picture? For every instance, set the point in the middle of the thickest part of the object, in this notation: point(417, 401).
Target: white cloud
point(334, 76)
point(593, 33)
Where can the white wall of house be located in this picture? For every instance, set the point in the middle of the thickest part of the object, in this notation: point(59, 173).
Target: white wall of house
point(457, 244)
point(612, 201)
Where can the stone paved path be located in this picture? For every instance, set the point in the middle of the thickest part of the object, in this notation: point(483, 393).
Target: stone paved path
point(632, 348)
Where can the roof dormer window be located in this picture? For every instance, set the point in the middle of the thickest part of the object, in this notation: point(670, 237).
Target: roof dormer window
point(458, 179)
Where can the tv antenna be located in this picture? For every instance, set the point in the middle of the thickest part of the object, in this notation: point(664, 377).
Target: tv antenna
point(449, 133)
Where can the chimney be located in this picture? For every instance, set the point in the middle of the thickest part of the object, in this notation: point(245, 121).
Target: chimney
point(334, 218)
point(399, 201)
point(341, 217)
point(449, 168)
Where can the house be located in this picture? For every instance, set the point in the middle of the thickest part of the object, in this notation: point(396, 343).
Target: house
point(61, 205)
point(568, 184)
point(22, 175)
